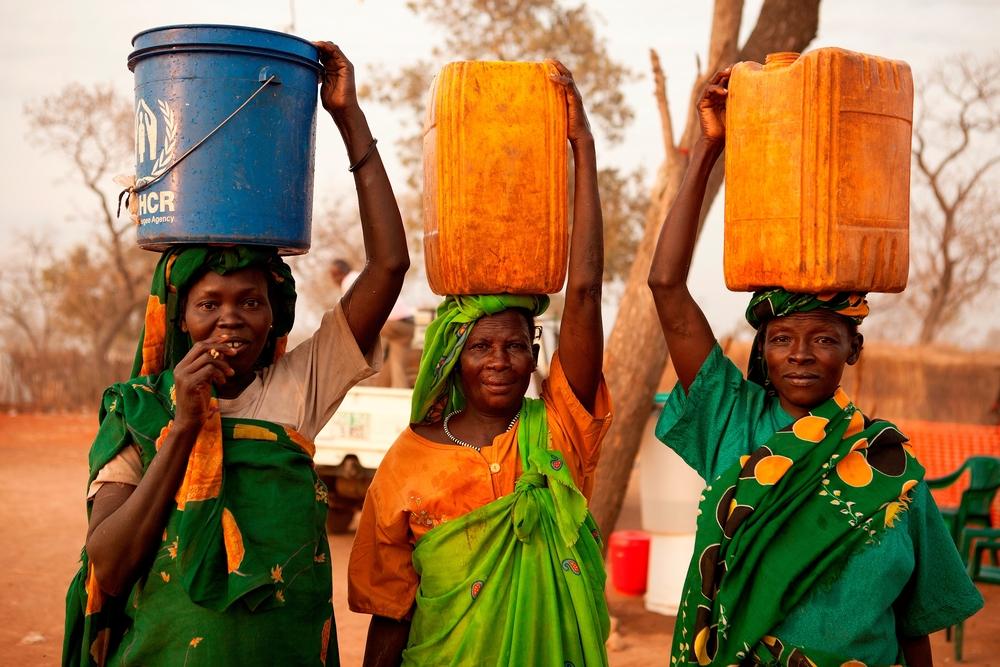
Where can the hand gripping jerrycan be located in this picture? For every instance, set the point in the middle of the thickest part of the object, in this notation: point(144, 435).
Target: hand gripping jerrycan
point(495, 180)
point(225, 122)
point(818, 173)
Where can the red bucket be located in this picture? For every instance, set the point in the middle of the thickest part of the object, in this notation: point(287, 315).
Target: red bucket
point(628, 555)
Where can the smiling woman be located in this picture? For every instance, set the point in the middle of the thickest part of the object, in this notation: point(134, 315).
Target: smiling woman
point(817, 541)
point(475, 546)
point(232, 314)
point(206, 543)
point(496, 362)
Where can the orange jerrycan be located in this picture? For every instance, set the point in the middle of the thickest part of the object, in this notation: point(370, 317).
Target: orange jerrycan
point(818, 173)
point(495, 180)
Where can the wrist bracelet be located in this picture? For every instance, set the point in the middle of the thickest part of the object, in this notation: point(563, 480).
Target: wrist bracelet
point(364, 158)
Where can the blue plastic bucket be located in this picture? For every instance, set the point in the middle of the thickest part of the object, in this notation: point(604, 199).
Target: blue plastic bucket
point(201, 178)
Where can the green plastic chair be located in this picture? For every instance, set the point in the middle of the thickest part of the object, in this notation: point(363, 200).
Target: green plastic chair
point(974, 507)
point(976, 542)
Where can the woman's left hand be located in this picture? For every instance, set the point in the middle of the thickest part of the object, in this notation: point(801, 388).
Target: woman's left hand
point(577, 125)
point(338, 92)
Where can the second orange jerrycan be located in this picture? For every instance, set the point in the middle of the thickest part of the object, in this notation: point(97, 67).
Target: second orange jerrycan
point(495, 180)
point(818, 173)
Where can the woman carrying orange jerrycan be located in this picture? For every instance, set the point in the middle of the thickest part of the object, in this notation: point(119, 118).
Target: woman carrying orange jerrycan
point(206, 543)
point(475, 545)
point(818, 541)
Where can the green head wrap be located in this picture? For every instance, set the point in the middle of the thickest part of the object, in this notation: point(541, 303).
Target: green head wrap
point(162, 343)
point(766, 305)
point(436, 392)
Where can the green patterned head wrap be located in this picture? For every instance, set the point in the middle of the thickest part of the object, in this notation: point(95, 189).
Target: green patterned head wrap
point(162, 343)
point(435, 391)
point(766, 305)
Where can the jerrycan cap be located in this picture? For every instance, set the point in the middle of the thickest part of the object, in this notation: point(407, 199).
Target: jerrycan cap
point(780, 59)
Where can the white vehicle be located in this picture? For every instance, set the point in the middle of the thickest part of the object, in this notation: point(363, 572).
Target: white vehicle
point(352, 444)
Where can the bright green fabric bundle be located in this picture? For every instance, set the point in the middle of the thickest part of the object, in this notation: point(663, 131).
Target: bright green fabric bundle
point(436, 392)
point(519, 581)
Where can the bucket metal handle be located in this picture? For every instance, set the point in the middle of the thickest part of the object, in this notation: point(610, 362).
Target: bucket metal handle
point(265, 75)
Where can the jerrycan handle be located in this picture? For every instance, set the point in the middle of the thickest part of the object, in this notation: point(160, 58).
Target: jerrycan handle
point(780, 59)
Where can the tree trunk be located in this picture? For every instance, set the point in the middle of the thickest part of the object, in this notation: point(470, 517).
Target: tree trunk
point(636, 353)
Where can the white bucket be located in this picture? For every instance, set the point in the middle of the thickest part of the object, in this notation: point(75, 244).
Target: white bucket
point(669, 556)
point(669, 492)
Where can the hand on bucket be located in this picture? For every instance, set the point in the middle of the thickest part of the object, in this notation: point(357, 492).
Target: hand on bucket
point(338, 92)
point(577, 125)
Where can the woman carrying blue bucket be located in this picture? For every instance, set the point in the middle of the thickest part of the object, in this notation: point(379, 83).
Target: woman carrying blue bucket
point(207, 543)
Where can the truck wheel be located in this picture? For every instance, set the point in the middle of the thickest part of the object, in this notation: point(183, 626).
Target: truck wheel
point(338, 521)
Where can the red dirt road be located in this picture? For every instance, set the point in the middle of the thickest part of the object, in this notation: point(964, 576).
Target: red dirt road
point(43, 522)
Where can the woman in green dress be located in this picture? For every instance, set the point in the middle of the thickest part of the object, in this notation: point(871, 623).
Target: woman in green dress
point(817, 540)
point(206, 543)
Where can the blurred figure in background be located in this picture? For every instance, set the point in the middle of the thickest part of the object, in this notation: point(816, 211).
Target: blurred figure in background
point(397, 334)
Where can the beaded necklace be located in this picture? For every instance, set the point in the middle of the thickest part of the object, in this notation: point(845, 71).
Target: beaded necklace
point(463, 443)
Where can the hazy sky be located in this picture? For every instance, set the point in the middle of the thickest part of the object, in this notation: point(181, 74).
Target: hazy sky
point(47, 45)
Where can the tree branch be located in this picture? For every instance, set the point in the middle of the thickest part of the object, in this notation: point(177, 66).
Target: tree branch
point(783, 25)
point(660, 93)
point(963, 191)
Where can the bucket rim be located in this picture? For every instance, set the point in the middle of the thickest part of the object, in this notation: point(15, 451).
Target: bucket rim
point(290, 56)
point(225, 26)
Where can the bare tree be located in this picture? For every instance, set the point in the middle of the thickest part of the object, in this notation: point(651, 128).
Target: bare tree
point(102, 283)
point(45, 352)
point(28, 301)
point(956, 234)
point(636, 353)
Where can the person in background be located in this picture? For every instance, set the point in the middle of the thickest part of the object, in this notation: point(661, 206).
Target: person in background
point(206, 543)
point(397, 333)
point(818, 542)
point(475, 545)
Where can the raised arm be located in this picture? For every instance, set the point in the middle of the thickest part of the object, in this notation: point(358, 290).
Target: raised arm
point(581, 334)
point(368, 303)
point(688, 334)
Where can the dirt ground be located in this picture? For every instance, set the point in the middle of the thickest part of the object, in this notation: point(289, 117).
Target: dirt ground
point(42, 525)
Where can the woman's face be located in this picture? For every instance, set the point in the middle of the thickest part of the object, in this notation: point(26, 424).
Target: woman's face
point(806, 354)
point(233, 308)
point(496, 363)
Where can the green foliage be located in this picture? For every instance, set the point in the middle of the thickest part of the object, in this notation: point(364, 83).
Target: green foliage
point(534, 30)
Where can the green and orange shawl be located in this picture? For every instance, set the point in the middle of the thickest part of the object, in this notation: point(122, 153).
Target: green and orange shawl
point(243, 574)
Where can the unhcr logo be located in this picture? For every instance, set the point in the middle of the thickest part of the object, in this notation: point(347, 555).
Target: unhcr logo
point(155, 142)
